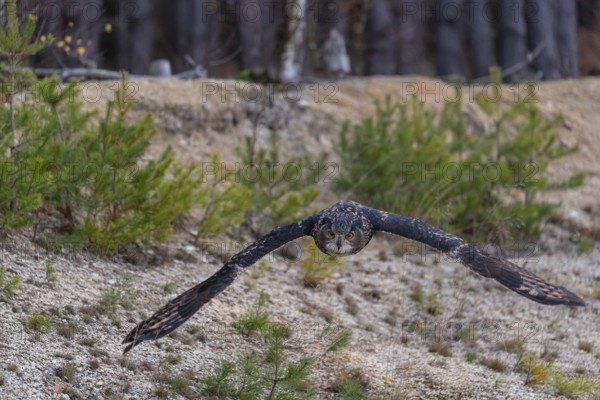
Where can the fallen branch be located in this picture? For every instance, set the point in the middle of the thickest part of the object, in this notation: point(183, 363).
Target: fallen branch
point(66, 74)
point(531, 56)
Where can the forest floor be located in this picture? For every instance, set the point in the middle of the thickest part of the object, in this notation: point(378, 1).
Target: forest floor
point(394, 337)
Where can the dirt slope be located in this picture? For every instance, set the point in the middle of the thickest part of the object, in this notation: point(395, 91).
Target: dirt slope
point(201, 117)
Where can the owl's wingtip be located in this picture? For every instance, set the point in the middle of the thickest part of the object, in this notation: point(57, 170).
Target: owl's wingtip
point(567, 298)
point(132, 338)
point(576, 301)
point(570, 299)
point(129, 347)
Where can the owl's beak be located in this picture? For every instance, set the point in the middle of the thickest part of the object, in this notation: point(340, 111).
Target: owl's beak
point(338, 242)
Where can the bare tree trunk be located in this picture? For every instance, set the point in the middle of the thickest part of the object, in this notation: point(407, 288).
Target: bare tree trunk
point(588, 12)
point(333, 14)
point(292, 58)
point(513, 29)
point(273, 29)
point(135, 36)
point(450, 44)
point(481, 37)
point(249, 25)
point(193, 30)
point(380, 40)
point(565, 27)
point(410, 43)
point(541, 29)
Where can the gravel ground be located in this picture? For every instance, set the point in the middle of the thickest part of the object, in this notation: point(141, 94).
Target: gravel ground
point(390, 353)
point(392, 332)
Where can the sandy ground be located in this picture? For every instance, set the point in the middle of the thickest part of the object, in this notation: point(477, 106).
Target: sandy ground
point(198, 118)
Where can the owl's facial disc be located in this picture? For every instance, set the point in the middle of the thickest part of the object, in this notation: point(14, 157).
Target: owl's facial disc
point(341, 240)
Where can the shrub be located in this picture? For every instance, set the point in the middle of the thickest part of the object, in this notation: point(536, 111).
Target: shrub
point(123, 201)
point(413, 160)
point(266, 372)
point(18, 197)
point(57, 157)
point(92, 171)
point(8, 287)
point(95, 179)
point(225, 203)
point(263, 374)
point(280, 192)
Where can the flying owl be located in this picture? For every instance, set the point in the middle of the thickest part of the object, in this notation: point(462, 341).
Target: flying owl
point(345, 229)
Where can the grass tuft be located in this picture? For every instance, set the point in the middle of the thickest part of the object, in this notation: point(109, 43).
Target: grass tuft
point(511, 346)
point(433, 305)
point(39, 323)
point(255, 319)
point(317, 267)
point(440, 347)
point(495, 364)
point(120, 294)
point(586, 346)
point(67, 372)
point(537, 372)
point(575, 388)
point(51, 275)
point(342, 339)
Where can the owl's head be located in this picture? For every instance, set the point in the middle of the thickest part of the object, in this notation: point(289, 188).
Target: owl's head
point(342, 235)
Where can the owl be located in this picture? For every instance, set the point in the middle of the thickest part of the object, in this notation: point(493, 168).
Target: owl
point(345, 229)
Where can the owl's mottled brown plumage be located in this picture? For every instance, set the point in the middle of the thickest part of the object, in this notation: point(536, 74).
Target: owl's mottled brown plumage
point(344, 229)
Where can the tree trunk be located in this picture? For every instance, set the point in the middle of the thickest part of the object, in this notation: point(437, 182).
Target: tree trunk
point(449, 52)
point(249, 25)
point(565, 27)
point(379, 38)
point(481, 37)
point(513, 29)
point(410, 43)
point(135, 36)
point(292, 58)
point(541, 28)
point(193, 30)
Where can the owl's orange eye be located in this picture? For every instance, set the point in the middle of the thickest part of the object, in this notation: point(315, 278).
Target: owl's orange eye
point(349, 235)
point(330, 234)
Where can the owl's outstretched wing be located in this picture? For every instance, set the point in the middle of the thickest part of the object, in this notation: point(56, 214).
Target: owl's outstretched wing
point(508, 274)
point(181, 308)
